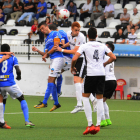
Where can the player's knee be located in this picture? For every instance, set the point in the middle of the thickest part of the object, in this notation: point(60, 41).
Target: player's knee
point(21, 98)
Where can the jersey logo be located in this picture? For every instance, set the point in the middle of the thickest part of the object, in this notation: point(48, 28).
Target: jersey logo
point(75, 40)
point(52, 69)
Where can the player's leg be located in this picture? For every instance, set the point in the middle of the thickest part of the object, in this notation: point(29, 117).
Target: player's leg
point(59, 84)
point(2, 122)
point(94, 102)
point(87, 89)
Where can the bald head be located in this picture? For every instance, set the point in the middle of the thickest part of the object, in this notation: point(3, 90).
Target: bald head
point(135, 10)
point(108, 2)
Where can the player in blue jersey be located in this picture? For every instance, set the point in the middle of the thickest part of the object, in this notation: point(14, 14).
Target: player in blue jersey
point(2, 122)
point(8, 84)
point(67, 57)
point(57, 63)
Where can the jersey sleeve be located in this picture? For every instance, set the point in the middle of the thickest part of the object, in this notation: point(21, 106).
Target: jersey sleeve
point(15, 61)
point(80, 41)
point(107, 50)
point(81, 49)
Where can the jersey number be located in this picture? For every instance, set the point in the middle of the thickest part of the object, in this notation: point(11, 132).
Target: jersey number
point(95, 56)
point(4, 66)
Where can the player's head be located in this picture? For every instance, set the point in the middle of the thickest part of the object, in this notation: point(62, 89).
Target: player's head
point(132, 30)
point(110, 45)
point(5, 48)
point(52, 27)
point(44, 27)
point(92, 33)
point(75, 27)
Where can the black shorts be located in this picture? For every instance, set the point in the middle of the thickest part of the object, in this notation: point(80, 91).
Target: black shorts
point(110, 87)
point(81, 67)
point(94, 84)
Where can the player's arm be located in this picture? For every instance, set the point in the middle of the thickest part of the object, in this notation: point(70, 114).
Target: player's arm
point(74, 59)
point(5, 57)
point(111, 59)
point(67, 51)
point(8, 53)
point(36, 50)
point(66, 45)
point(18, 72)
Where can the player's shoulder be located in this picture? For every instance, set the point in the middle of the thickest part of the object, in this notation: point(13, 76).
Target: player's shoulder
point(81, 35)
point(69, 33)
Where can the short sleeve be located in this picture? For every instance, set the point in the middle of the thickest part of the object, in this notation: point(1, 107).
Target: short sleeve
point(15, 61)
point(81, 49)
point(123, 37)
point(45, 5)
point(107, 50)
point(82, 40)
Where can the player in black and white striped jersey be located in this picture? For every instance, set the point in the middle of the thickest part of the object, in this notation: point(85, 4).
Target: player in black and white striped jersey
point(132, 37)
point(94, 80)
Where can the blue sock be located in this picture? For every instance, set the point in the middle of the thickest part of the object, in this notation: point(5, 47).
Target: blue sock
point(59, 83)
point(49, 90)
point(24, 108)
point(55, 96)
point(3, 108)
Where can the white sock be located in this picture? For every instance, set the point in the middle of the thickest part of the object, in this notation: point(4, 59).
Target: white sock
point(91, 97)
point(106, 110)
point(1, 113)
point(100, 111)
point(88, 110)
point(78, 93)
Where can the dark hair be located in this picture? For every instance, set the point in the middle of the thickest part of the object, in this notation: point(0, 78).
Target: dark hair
point(42, 23)
point(48, 18)
point(133, 28)
point(5, 48)
point(110, 45)
point(92, 33)
point(52, 27)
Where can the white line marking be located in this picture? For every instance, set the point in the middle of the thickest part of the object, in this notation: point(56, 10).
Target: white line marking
point(68, 112)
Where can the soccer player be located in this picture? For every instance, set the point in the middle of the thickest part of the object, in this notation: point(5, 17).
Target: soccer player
point(57, 63)
point(8, 84)
point(76, 38)
point(110, 86)
point(2, 122)
point(95, 78)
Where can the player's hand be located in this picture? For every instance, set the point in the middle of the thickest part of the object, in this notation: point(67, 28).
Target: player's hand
point(9, 53)
point(34, 49)
point(57, 48)
point(73, 70)
point(18, 78)
point(5, 57)
point(44, 58)
point(104, 64)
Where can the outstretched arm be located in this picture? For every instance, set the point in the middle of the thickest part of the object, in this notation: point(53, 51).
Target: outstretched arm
point(5, 57)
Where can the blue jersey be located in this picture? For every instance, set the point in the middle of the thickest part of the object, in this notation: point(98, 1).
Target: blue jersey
point(65, 37)
point(6, 71)
point(49, 43)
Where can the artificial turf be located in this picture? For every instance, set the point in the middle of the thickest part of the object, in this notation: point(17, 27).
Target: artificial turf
point(62, 125)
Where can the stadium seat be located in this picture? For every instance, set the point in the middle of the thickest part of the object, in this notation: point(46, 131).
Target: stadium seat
point(85, 34)
point(10, 22)
point(39, 41)
point(101, 25)
point(90, 24)
point(66, 24)
point(24, 32)
point(112, 25)
point(120, 84)
point(13, 32)
point(104, 34)
point(21, 23)
point(57, 23)
point(129, 6)
point(138, 35)
point(30, 23)
point(81, 23)
point(118, 16)
point(41, 19)
point(114, 35)
point(117, 6)
point(138, 7)
point(80, 6)
point(87, 19)
point(3, 31)
point(27, 41)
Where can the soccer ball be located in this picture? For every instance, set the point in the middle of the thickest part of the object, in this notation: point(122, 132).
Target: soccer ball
point(64, 14)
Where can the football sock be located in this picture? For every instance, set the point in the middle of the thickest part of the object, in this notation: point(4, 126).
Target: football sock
point(78, 88)
point(88, 110)
point(59, 83)
point(55, 96)
point(3, 108)
point(91, 97)
point(24, 108)
point(1, 113)
point(106, 110)
point(49, 90)
point(100, 111)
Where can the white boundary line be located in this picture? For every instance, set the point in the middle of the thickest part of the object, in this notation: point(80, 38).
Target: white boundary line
point(68, 112)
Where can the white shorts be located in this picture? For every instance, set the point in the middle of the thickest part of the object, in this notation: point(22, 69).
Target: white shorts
point(14, 91)
point(67, 65)
point(56, 66)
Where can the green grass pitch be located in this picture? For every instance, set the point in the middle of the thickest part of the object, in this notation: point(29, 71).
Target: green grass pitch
point(61, 125)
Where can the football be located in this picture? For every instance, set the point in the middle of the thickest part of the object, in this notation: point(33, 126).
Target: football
point(64, 14)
